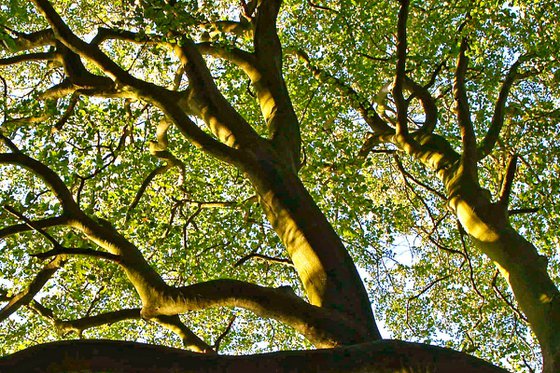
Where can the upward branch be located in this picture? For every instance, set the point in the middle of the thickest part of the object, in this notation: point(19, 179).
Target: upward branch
point(400, 75)
point(469, 156)
point(497, 122)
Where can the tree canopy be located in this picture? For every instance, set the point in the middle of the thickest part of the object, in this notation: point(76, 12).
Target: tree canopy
point(239, 177)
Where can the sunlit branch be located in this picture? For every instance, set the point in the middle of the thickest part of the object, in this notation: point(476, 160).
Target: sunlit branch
point(209, 103)
point(22, 41)
point(244, 60)
point(25, 296)
point(400, 73)
point(321, 326)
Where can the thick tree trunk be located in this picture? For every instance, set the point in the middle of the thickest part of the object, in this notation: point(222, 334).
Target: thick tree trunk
point(523, 268)
point(516, 258)
point(328, 273)
point(117, 356)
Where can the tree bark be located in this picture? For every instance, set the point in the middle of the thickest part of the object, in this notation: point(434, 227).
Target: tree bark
point(117, 356)
point(328, 273)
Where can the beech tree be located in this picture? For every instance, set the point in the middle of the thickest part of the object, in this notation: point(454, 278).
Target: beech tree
point(242, 177)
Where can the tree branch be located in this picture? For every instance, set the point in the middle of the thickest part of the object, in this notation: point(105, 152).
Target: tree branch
point(469, 155)
point(191, 341)
point(505, 191)
point(119, 356)
point(38, 224)
point(400, 75)
point(497, 122)
point(40, 56)
point(321, 326)
point(50, 178)
point(25, 296)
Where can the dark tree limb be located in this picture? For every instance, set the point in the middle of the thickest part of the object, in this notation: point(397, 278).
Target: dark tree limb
point(265, 258)
point(468, 137)
point(497, 122)
point(39, 56)
point(78, 251)
point(38, 224)
point(400, 73)
point(224, 333)
point(507, 184)
point(117, 356)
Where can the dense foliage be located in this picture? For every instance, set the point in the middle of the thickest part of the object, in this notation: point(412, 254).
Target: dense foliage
point(196, 218)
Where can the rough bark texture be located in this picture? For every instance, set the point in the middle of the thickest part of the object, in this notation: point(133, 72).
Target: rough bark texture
point(116, 356)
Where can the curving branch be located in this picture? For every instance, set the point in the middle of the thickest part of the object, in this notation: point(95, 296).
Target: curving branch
point(366, 110)
point(428, 104)
point(50, 178)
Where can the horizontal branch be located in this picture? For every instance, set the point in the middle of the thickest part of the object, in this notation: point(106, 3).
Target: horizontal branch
point(41, 224)
point(118, 356)
point(40, 56)
point(77, 251)
point(321, 326)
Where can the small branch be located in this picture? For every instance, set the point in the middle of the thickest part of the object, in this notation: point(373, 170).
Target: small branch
point(398, 86)
point(190, 340)
point(25, 296)
point(224, 334)
point(29, 223)
point(504, 298)
point(78, 251)
point(418, 182)
point(265, 258)
point(497, 122)
point(38, 224)
point(67, 113)
point(528, 210)
point(41, 56)
point(507, 184)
